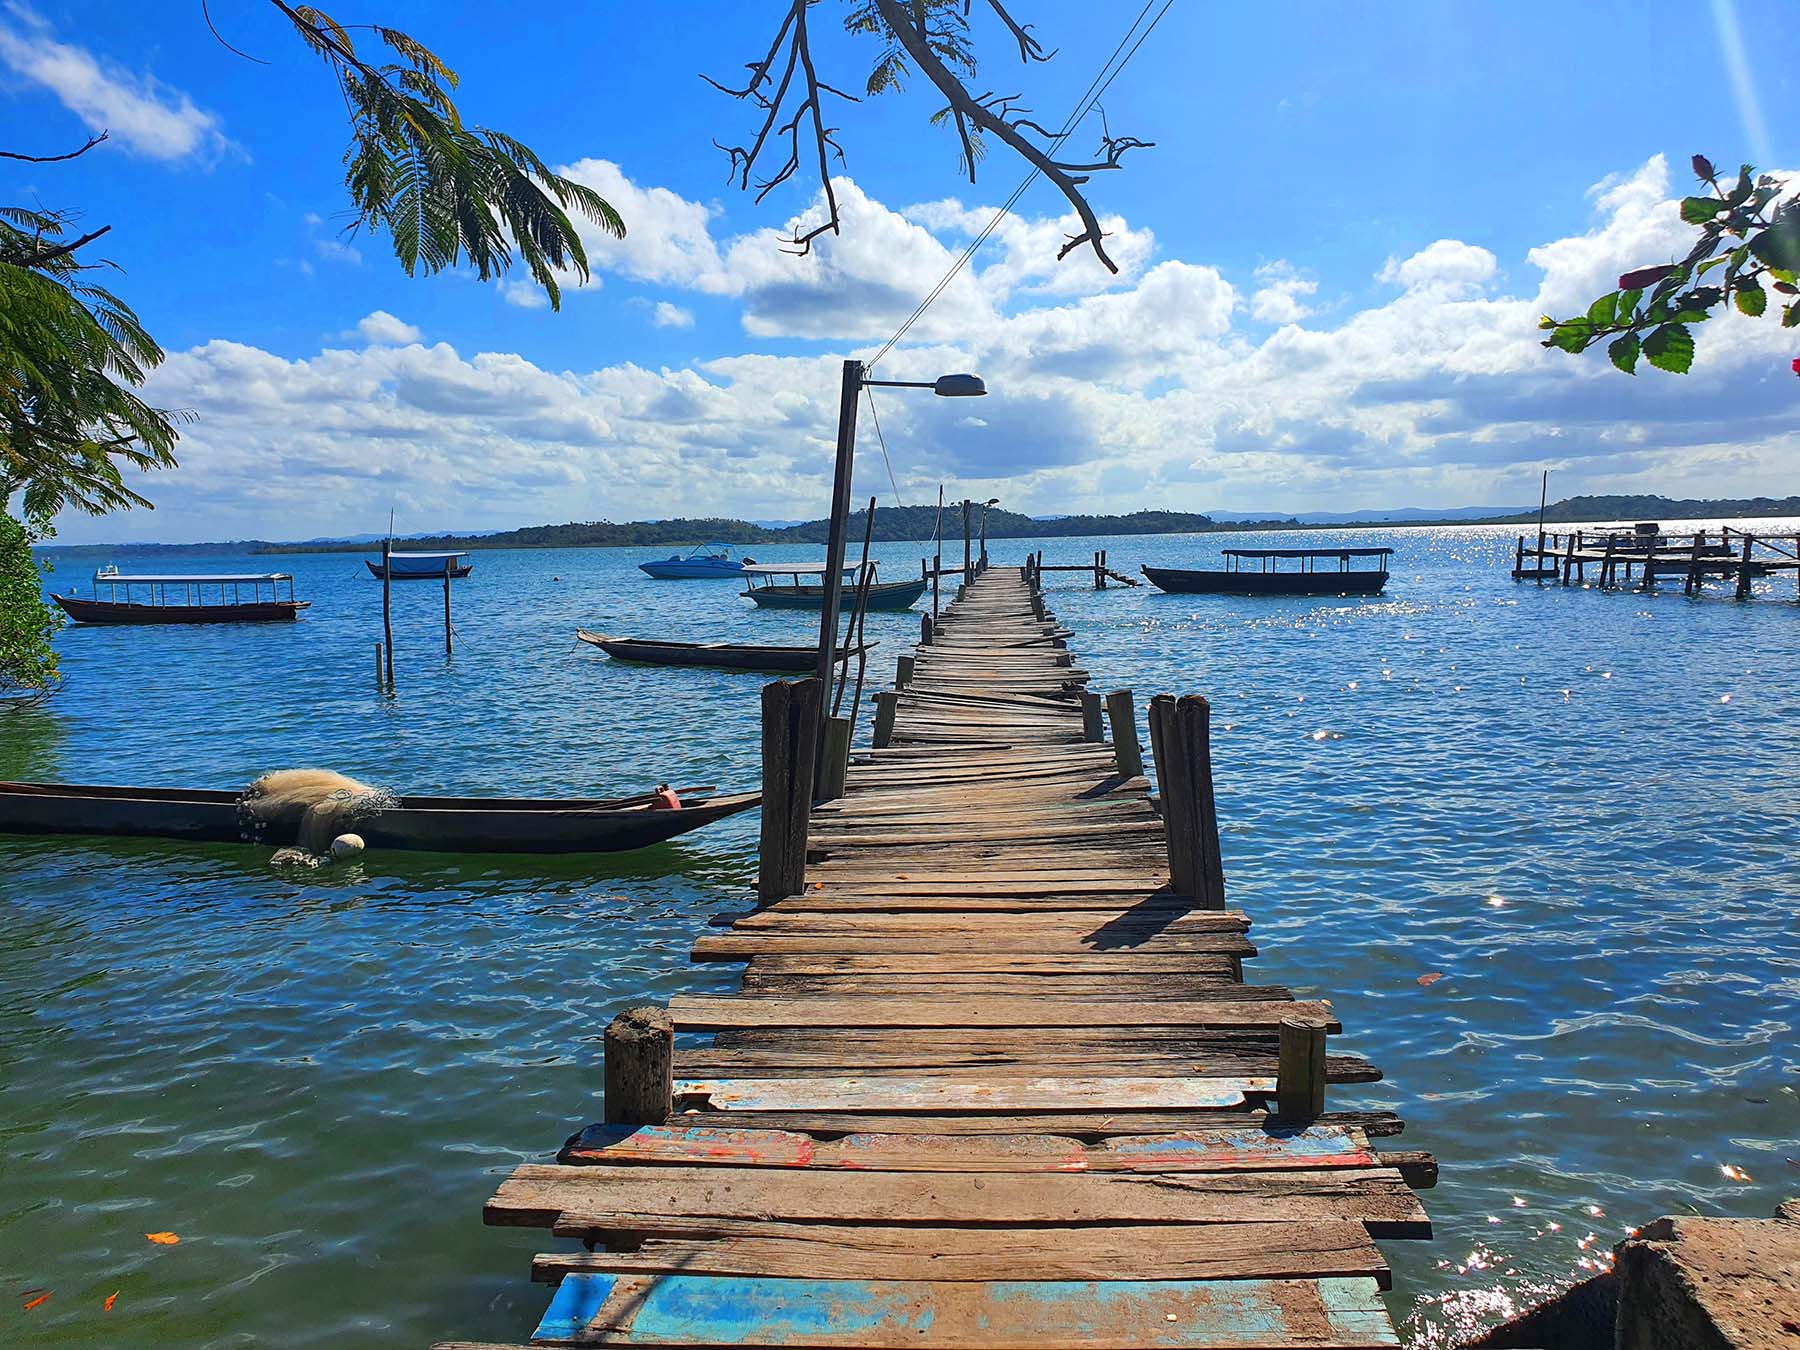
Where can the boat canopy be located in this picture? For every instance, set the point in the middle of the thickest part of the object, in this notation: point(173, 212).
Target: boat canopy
point(795, 569)
point(430, 557)
point(106, 577)
point(1306, 552)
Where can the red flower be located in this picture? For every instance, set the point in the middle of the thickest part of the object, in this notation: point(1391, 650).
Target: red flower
point(1797, 365)
point(1644, 276)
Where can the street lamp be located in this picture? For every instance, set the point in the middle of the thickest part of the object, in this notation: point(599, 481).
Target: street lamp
point(855, 380)
point(991, 501)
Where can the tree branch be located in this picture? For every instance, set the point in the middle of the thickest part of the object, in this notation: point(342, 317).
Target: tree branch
point(54, 159)
point(918, 46)
point(39, 256)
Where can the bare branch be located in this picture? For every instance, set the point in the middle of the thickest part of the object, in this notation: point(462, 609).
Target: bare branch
point(41, 255)
point(1030, 49)
point(207, 15)
point(1068, 181)
point(54, 159)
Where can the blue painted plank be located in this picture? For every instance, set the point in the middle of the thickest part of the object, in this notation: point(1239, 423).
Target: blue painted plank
point(887, 1314)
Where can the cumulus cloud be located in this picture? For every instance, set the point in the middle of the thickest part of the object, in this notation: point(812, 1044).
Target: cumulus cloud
point(1157, 391)
point(141, 114)
point(667, 315)
point(336, 250)
point(382, 329)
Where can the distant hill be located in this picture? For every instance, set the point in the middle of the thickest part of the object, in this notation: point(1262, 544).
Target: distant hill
point(1573, 510)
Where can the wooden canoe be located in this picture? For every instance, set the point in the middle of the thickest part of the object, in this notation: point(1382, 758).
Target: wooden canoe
point(1232, 582)
point(882, 595)
point(441, 824)
point(723, 655)
point(121, 612)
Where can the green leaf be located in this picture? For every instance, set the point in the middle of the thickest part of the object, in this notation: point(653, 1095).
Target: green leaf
point(1699, 210)
point(1624, 353)
point(1752, 300)
point(1628, 303)
point(1603, 310)
point(1670, 348)
point(1711, 263)
point(1742, 191)
point(1779, 245)
point(1790, 315)
point(1572, 335)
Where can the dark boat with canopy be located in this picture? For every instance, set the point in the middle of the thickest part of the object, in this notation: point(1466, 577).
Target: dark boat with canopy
point(799, 593)
point(442, 824)
point(1322, 571)
point(721, 655)
point(185, 599)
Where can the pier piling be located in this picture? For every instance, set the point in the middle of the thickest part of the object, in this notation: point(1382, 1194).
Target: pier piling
point(1121, 713)
point(790, 737)
point(640, 1067)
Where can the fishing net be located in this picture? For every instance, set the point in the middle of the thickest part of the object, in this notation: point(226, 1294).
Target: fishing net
point(308, 807)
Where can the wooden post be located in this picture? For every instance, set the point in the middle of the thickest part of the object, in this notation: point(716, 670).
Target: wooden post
point(968, 540)
point(1123, 716)
point(1568, 560)
point(1181, 740)
point(903, 671)
point(1743, 586)
point(937, 572)
point(447, 562)
point(1093, 724)
point(378, 665)
point(1607, 565)
point(836, 762)
point(926, 630)
point(640, 1067)
point(387, 603)
point(790, 732)
point(887, 703)
point(1300, 1071)
point(1693, 576)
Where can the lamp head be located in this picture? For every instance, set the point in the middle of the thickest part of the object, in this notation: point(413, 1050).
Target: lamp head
point(992, 501)
point(958, 386)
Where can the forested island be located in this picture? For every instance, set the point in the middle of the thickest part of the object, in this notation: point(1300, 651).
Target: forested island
point(914, 523)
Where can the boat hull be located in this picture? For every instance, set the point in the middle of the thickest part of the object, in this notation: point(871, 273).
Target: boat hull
point(882, 595)
point(682, 570)
point(115, 612)
point(402, 574)
point(715, 655)
point(439, 824)
point(1182, 581)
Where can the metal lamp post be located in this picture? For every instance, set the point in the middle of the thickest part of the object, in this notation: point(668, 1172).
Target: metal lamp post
point(855, 381)
point(991, 501)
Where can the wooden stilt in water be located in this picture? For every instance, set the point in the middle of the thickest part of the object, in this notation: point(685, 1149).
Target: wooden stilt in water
point(640, 1067)
point(1123, 715)
point(1693, 576)
point(790, 730)
point(1300, 1071)
point(1568, 560)
point(1519, 559)
point(1607, 565)
point(378, 680)
point(387, 601)
point(447, 562)
point(1743, 586)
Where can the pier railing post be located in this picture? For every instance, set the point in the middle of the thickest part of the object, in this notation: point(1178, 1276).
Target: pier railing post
point(903, 671)
point(834, 764)
point(1123, 715)
point(1181, 741)
point(640, 1067)
point(790, 736)
point(1093, 719)
point(1743, 586)
point(927, 630)
point(887, 704)
point(1300, 1069)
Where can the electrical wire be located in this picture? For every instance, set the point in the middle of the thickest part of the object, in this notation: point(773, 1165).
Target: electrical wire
point(870, 395)
point(1096, 87)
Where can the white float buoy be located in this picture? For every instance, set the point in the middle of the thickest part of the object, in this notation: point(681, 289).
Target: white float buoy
point(347, 846)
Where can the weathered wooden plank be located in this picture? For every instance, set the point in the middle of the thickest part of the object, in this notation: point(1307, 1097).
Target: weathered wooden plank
point(913, 1057)
point(711, 1246)
point(742, 946)
point(1080, 1124)
point(989, 1092)
point(1193, 1151)
point(723, 1310)
point(704, 1012)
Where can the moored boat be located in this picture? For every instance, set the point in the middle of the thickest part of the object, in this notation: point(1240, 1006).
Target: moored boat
point(721, 655)
point(797, 593)
point(703, 562)
point(184, 599)
point(441, 824)
point(421, 566)
point(1266, 579)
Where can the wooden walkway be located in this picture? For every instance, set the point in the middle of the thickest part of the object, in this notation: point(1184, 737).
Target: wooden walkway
point(988, 1082)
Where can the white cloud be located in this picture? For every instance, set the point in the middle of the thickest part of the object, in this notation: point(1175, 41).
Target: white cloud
point(1154, 392)
point(338, 251)
point(1277, 300)
point(667, 315)
point(1449, 263)
point(382, 329)
point(138, 111)
point(667, 237)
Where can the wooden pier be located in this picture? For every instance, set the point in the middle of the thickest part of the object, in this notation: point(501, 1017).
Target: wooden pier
point(1651, 556)
point(992, 1077)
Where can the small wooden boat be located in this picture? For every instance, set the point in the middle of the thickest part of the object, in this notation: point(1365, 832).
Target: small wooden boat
point(442, 824)
point(705, 562)
point(1309, 579)
point(184, 599)
point(798, 593)
point(421, 566)
point(724, 655)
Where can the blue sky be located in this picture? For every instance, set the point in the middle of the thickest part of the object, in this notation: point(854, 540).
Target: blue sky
point(1331, 264)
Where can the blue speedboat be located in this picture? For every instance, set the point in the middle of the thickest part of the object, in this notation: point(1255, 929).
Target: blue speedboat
point(706, 560)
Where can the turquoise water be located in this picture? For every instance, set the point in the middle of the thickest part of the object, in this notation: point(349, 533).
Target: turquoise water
point(1575, 808)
